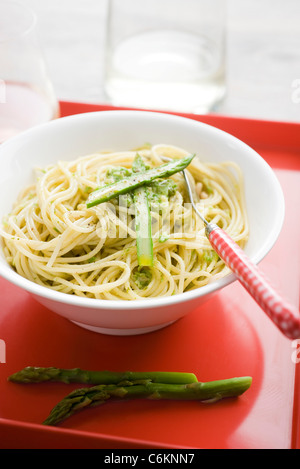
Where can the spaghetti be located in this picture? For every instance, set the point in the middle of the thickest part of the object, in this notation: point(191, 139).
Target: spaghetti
point(53, 239)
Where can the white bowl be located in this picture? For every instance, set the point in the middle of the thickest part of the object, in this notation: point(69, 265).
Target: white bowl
point(71, 137)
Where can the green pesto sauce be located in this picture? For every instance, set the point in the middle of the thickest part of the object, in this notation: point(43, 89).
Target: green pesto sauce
point(209, 256)
point(117, 174)
point(163, 238)
point(142, 276)
point(158, 191)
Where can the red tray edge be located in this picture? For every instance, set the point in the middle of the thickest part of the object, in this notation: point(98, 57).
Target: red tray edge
point(55, 437)
point(242, 127)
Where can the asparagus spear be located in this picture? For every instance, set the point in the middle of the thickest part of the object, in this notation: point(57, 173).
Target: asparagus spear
point(138, 165)
point(97, 395)
point(32, 374)
point(134, 181)
point(142, 218)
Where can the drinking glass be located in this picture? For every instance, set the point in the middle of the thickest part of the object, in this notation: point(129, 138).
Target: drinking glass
point(166, 54)
point(26, 93)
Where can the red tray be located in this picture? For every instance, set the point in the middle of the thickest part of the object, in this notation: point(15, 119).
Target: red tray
point(228, 336)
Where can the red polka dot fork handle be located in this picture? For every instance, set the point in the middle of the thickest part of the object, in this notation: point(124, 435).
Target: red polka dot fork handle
point(285, 316)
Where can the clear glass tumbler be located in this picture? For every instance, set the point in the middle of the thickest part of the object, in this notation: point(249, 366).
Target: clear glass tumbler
point(166, 54)
point(27, 97)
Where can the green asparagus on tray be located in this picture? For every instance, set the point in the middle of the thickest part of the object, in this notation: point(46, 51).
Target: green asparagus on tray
point(108, 385)
point(97, 395)
point(33, 374)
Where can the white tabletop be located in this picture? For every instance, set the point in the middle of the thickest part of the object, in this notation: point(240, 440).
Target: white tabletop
point(263, 54)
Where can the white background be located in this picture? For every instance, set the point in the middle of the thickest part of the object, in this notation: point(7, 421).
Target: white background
point(263, 54)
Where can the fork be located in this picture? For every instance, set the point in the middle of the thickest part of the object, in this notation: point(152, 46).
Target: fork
point(284, 315)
